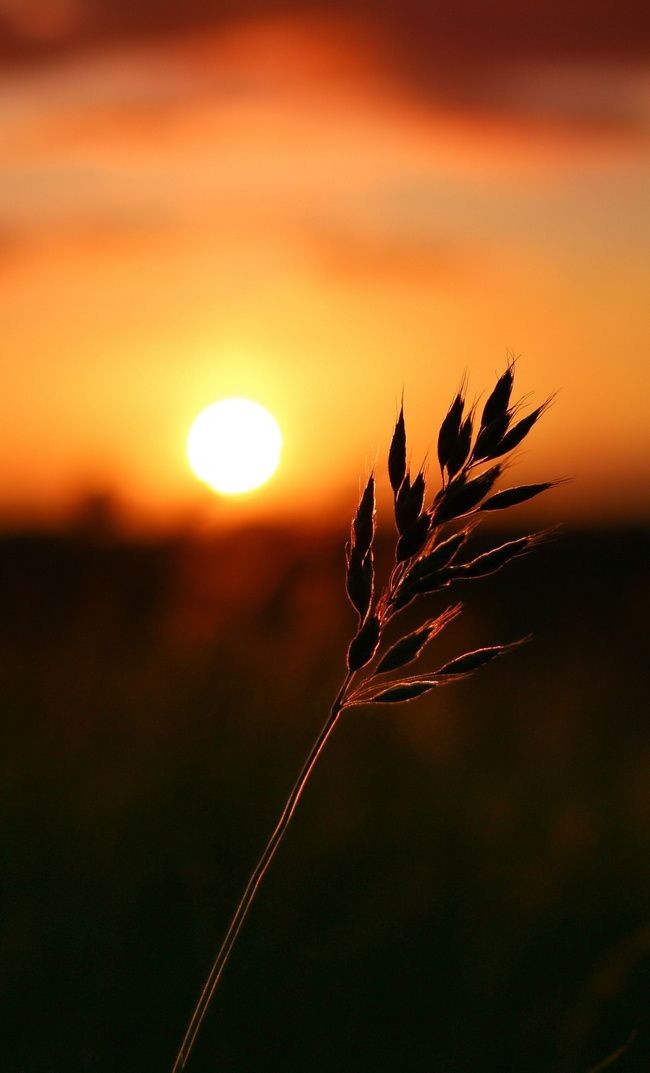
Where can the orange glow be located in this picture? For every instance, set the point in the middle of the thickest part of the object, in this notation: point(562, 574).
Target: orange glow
point(267, 210)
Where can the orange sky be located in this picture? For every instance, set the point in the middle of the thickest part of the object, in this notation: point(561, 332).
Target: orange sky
point(270, 210)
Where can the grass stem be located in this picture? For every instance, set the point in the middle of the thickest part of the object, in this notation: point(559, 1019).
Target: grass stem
point(260, 870)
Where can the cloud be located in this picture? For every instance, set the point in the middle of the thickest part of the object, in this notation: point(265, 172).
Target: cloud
point(581, 63)
point(584, 28)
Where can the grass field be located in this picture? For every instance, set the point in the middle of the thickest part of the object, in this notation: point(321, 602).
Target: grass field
point(465, 888)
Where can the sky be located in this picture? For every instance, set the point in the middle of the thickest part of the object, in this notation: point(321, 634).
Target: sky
point(318, 206)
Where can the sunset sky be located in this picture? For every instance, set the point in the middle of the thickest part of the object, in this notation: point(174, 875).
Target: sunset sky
point(317, 207)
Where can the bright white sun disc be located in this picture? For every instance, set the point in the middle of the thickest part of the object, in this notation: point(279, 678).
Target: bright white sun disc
point(234, 445)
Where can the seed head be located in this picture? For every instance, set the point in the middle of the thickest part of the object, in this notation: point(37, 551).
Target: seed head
point(426, 561)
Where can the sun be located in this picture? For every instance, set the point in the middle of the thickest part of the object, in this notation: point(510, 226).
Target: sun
point(234, 445)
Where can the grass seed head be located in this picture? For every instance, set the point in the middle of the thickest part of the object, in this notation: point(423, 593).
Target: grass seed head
point(425, 563)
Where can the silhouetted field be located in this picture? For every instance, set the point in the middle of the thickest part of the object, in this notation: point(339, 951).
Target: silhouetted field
point(466, 886)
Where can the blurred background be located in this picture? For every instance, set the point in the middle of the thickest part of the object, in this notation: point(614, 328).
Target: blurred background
point(318, 205)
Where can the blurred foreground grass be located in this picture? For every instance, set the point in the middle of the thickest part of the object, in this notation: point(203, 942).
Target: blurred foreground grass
point(466, 886)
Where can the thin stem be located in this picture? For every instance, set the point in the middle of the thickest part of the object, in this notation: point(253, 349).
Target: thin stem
point(256, 878)
point(610, 1061)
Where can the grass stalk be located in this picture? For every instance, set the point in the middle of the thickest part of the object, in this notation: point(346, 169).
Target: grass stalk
point(428, 560)
point(256, 877)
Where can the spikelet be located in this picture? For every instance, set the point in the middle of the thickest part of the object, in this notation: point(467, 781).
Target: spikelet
point(461, 448)
point(363, 526)
point(402, 691)
point(414, 539)
point(462, 495)
point(411, 646)
point(518, 432)
point(364, 645)
point(409, 502)
point(496, 407)
point(511, 497)
point(359, 580)
point(360, 571)
point(496, 417)
point(450, 430)
point(439, 557)
point(471, 661)
point(397, 454)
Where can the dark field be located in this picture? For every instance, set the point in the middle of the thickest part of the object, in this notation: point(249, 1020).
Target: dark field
point(465, 888)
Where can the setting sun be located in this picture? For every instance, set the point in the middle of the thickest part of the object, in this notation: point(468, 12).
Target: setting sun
point(234, 445)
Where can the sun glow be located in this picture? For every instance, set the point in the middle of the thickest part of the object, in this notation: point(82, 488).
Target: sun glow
point(234, 446)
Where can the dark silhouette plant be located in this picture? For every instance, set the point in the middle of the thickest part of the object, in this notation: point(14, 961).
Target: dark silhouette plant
point(429, 558)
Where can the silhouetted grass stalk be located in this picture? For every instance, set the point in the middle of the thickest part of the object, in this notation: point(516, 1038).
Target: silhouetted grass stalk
point(260, 870)
point(426, 562)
